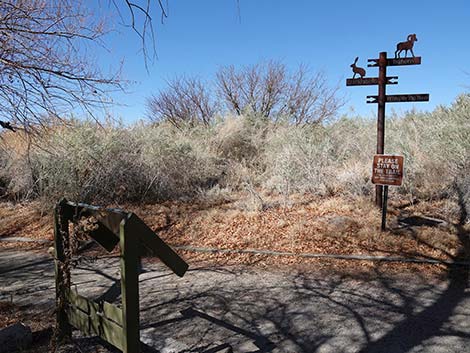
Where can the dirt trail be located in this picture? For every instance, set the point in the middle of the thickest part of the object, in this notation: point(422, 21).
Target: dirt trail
point(265, 310)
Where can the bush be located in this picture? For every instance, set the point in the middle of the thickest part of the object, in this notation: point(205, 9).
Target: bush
point(111, 164)
point(152, 162)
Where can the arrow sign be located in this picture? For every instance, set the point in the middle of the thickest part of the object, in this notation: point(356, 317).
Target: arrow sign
point(397, 62)
point(397, 98)
point(369, 81)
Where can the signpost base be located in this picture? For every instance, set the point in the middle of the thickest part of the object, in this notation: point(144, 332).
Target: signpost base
point(384, 208)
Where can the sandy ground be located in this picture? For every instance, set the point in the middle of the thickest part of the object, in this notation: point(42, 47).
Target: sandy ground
point(259, 303)
point(246, 309)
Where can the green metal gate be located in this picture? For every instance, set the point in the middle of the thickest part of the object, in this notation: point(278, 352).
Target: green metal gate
point(118, 326)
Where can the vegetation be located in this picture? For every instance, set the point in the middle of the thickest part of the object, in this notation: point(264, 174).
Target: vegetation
point(45, 65)
point(267, 90)
point(150, 162)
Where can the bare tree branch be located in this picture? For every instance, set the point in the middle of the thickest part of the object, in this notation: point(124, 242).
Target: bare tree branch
point(269, 90)
point(185, 101)
point(44, 71)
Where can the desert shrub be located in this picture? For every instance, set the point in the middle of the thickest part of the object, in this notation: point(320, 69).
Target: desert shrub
point(3, 174)
point(320, 159)
point(239, 139)
point(179, 162)
point(149, 162)
point(337, 158)
point(90, 163)
point(240, 142)
point(436, 146)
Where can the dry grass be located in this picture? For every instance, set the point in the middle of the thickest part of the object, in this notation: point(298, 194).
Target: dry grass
point(25, 220)
point(327, 225)
point(331, 225)
point(309, 225)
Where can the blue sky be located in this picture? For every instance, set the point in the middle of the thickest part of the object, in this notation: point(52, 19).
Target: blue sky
point(200, 36)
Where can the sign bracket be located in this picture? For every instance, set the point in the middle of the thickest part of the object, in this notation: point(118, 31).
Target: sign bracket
point(381, 192)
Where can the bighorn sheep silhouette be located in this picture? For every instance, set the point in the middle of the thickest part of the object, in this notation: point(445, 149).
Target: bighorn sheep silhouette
point(357, 70)
point(408, 45)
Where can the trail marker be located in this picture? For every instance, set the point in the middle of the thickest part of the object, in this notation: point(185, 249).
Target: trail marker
point(387, 170)
point(399, 98)
point(381, 190)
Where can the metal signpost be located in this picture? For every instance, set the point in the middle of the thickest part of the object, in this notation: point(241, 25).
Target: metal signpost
point(387, 170)
point(381, 98)
point(118, 326)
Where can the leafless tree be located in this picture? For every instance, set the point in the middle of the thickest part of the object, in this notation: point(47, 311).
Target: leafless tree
point(137, 14)
point(271, 91)
point(43, 67)
point(184, 101)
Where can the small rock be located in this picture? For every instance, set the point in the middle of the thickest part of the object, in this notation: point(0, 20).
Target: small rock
point(342, 223)
point(15, 338)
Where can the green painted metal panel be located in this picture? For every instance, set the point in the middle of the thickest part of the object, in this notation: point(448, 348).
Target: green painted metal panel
point(120, 327)
point(105, 309)
point(93, 324)
point(104, 237)
point(158, 247)
point(62, 273)
point(107, 233)
point(130, 289)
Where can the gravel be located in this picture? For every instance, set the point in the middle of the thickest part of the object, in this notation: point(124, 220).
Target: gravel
point(252, 309)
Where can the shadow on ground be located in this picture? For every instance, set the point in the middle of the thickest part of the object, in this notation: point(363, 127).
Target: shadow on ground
point(235, 309)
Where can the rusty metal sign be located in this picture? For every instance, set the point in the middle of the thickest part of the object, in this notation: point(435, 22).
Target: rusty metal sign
point(381, 189)
point(398, 98)
point(387, 170)
point(357, 70)
point(408, 45)
point(369, 81)
point(397, 62)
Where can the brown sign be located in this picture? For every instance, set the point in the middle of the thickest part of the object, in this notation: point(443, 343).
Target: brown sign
point(397, 62)
point(387, 170)
point(369, 81)
point(398, 98)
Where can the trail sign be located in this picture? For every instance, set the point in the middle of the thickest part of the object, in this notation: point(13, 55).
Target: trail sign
point(384, 177)
point(396, 62)
point(369, 81)
point(398, 98)
point(387, 170)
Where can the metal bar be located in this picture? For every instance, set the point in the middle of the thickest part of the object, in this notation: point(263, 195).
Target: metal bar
point(62, 272)
point(420, 97)
point(157, 246)
point(404, 61)
point(381, 117)
point(369, 81)
point(93, 324)
point(384, 209)
point(398, 98)
point(396, 62)
point(129, 289)
point(109, 311)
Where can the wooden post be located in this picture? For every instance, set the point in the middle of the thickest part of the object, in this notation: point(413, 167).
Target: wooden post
point(381, 98)
point(62, 270)
point(130, 287)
